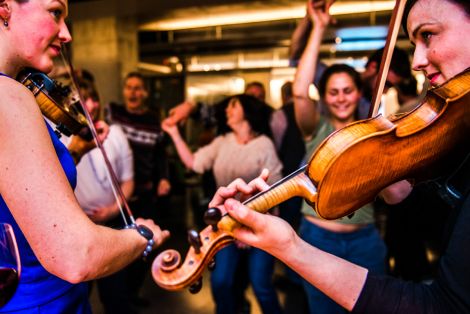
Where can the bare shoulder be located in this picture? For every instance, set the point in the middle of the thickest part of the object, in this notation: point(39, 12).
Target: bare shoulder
point(17, 103)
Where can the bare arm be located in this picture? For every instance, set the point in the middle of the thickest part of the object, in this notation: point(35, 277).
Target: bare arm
point(181, 112)
point(39, 197)
point(306, 111)
point(182, 148)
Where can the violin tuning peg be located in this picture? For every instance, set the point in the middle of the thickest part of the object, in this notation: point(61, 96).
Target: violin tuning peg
point(211, 265)
point(195, 240)
point(196, 287)
point(212, 216)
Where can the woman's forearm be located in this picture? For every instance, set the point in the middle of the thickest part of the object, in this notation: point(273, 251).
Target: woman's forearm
point(183, 150)
point(341, 280)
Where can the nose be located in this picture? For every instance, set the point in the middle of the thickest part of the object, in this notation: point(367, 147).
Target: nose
point(341, 97)
point(64, 33)
point(420, 60)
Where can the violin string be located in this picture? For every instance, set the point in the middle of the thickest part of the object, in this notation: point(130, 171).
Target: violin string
point(115, 187)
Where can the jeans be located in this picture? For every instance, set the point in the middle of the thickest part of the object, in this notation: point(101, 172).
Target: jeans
point(260, 271)
point(363, 247)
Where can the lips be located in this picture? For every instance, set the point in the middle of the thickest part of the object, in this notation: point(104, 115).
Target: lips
point(433, 78)
point(56, 49)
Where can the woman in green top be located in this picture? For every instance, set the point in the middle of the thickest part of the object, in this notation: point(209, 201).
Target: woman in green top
point(352, 238)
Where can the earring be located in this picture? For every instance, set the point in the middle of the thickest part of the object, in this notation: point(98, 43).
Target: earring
point(5, 23)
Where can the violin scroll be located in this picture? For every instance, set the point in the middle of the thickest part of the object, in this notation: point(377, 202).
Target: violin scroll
point(170, 274)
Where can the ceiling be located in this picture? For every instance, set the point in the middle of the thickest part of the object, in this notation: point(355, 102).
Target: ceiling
point(234, 38)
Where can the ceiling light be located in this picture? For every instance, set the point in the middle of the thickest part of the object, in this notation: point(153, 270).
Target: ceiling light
point(273, 14)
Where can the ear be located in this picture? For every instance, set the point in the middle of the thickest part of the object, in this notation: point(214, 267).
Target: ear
point(5, 10)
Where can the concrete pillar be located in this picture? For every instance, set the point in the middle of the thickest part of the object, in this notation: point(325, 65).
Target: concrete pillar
point(105, 44)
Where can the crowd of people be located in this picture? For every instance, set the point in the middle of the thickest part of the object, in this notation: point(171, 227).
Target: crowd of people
point(70, 230)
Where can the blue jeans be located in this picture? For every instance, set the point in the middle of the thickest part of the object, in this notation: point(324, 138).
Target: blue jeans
point(260, 272)
point(364, 247)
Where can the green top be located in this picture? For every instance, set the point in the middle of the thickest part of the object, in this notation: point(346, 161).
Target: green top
point(365, 214)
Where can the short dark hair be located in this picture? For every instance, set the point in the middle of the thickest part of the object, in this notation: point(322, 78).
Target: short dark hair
point(255, 111)
point(136, 75)
point(465, 4)
point(88, 89)
point(335, 69)
point(400, 63)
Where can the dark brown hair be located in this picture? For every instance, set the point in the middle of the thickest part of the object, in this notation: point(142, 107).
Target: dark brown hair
point(465, 4)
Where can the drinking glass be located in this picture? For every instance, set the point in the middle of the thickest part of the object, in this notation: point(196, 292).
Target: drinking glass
point(10, 266)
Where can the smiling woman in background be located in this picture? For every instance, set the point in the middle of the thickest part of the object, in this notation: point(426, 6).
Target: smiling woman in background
point(438, 29)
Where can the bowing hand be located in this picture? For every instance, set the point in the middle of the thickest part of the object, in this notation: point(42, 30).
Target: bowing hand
point(159, 235)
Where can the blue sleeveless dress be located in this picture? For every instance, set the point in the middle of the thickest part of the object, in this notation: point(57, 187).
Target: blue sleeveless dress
point(38, 290)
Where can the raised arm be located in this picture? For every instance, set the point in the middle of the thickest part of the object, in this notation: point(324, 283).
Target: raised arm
point(299, 39)
point(182, 148)
point(39, 197)
point(306, 111)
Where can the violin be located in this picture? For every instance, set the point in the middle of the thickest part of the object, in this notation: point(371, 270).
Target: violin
point(346, 172)
point(57, 104)
point(349, 168)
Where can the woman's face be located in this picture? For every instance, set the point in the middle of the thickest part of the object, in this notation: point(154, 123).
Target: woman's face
point(440, 30)
point(341, 96)
point(234, 112)
point(37, 29)
point(93, 107)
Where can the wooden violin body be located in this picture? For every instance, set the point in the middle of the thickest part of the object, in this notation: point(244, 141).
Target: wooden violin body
point(348, 170)
point(56, 104)
point(355, 163)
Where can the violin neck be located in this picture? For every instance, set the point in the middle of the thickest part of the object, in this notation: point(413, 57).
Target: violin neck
point(295, 184)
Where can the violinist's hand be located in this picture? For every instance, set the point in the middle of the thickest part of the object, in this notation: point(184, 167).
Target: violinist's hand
point(164, 187)
point(79, 146)
point(159, 236)
point(263, 231)
point(180, 113)
point(103, 214)
point(240, 189)
point(319, 12)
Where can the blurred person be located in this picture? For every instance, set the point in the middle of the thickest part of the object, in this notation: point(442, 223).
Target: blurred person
point(141, 125)
point(400, 68)
point(95, 194)
point(353, 238)
point(236, 153)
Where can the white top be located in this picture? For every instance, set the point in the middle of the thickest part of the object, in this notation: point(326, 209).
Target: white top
point(230, 160)
point(93, 186)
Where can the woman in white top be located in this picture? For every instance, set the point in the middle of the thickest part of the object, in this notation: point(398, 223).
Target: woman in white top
point(242, 152)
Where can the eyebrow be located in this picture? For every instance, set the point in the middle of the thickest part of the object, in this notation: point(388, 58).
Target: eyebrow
point(416, 30)
point(62, 2)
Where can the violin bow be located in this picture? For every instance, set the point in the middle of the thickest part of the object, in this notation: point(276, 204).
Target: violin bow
point(115, 186)
point(393, 30)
